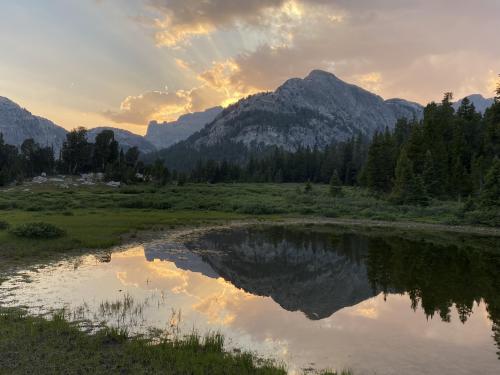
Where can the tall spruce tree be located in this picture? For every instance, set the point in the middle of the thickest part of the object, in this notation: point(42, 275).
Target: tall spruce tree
point(408, 188)
point(76, 152)
point(335, 185)
point(490, 196)
point(379, 168)
point(105, 150)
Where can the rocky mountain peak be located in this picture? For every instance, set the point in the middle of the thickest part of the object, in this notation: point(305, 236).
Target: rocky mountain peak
point(17, 124)
point(310, 112)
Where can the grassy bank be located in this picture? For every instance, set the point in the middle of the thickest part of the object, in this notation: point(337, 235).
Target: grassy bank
point(99, 217)
point(35, 345)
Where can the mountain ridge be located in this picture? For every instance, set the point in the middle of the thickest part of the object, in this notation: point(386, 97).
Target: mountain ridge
point(165, 134)
point(18, 124)
point(309, 112)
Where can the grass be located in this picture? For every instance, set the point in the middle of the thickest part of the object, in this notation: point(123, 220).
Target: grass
point(31, 345)
point(90, 229)
point(99, 217)
point(250, 199)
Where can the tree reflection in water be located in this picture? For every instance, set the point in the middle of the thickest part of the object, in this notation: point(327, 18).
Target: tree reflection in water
point(319, 270)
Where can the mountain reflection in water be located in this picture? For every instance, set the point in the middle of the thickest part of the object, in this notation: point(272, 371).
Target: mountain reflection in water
point(312, 296)
point(319, 272)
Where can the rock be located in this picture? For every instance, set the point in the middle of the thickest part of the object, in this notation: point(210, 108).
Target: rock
point(39, 180)
point(114, 184)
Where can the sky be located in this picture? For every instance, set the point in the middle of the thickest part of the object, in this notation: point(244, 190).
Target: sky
point(123, 63)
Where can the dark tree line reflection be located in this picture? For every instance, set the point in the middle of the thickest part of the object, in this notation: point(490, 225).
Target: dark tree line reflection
point(319, 270)
point(436, 277)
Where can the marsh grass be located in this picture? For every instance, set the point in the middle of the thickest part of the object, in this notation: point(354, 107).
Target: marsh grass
point(35, 345)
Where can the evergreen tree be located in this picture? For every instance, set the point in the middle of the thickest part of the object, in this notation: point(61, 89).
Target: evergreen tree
point(408, 188)
point(497, 91)
point(335, 185)
point(76, 152)
point(490, 196)
point(429, 175)
point(159, 173)
point(379, 169)
point(105, 150)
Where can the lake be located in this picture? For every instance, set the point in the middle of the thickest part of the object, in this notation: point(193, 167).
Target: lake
point(376, 302)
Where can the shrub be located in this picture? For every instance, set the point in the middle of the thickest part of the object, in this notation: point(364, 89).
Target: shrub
point(3, 225)
point(37, 230)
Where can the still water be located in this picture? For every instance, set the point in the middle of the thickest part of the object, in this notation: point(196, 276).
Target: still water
point(314, 297)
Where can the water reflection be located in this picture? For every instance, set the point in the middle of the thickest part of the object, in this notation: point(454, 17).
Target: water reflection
point(312, 273)
point(314, 297)
point(320, 272)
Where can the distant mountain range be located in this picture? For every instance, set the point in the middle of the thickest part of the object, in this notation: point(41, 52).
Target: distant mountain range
point(165, 134)
point(309, 112)
point(18, 124)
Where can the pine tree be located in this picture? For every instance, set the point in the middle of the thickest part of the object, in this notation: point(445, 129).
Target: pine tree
point(429, 175)
point(408, 188)
point(497, 96)
point(379, 168)
point(335, 185)
point(490, 195)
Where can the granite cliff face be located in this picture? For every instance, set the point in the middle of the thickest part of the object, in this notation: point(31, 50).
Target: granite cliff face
point(309, 112)
point(125, 138)
point(163, 135)
point(17, 124)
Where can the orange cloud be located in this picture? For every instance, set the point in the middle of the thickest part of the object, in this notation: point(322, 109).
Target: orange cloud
point(218, 86)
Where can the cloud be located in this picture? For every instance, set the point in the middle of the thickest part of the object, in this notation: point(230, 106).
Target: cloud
point(397, 48)
point(215, 88)
point(180, 20)
point(150, 106)
point(415, 50)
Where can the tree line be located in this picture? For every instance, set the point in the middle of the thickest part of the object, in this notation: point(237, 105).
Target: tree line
point(447, 155)
point(78, 156)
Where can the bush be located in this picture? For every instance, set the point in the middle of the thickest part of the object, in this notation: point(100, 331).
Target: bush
point(3, 225)
point(37, 230)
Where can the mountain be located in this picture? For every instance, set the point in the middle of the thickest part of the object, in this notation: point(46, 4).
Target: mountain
point(125, 138)
point(479, 101)
point(310, 112)
point(405, 109)
point(163, 135)
point(17, 124)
